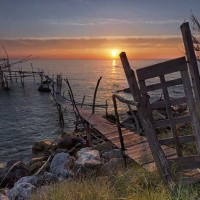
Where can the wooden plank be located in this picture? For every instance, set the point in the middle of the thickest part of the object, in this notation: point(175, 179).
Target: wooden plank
point(170, 83)
point(132, 142)
point(192, 61)
point(117, 136)
point(161, 104)
point(191, 106)
point(146, 118)
point(151, 167)
point(160, 69)
point(148, 158)
point(182, 139)
point(166, 122)
point(183, 163)
point(170, 116)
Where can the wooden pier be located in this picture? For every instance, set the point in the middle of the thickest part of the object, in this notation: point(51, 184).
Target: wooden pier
point(136, 146)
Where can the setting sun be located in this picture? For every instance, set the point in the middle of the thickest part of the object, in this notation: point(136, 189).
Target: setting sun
point(114, 53)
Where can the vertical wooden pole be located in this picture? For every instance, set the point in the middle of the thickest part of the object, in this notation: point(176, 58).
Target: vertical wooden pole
point(95, 94)
point(192, 61)
point(16, 77)
point(118, 123)
point(106, 108)
point(150, 132)
point(33, 72)
point(83, 101)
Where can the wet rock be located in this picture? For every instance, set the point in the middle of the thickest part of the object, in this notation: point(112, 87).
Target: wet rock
point(103, 147)
point(12, 173)
point(68, 142)
point(3, 165)
point(88, 161)
point(3, 197)
point(60, 165)
point(114, 153)
point(42, 146)
point(21, 191)
point(113, 165)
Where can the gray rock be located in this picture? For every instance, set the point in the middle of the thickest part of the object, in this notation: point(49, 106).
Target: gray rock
point(47, 178)
point(103, 147)
point(27, 179)
point(69, 142)
point(88, 160)
point(114, 153)
point(21, 191)
point(113, 165)
point(60, 165)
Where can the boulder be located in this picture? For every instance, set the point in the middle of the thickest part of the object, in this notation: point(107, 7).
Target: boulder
point(88, 161)
point(103, 147)
point(42, 146)
point(114, 153)
point(27, 179)
point(113, 166)
point(35, 166)
point(47, 178)
point(69, 142)
point(61, 164)
point(12, 173)
point(21, 191)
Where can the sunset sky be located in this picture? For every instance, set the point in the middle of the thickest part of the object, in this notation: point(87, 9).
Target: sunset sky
point(92, 29)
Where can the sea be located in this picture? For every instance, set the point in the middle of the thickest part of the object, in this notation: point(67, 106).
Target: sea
point(28, 116)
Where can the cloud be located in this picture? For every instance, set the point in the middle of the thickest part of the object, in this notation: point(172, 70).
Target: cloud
point(80, 45)
point(107, 21)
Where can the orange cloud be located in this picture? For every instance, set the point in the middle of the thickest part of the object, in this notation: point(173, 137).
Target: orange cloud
point(94, 48)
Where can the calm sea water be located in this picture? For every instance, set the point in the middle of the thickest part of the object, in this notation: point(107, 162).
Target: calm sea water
point(27, 115)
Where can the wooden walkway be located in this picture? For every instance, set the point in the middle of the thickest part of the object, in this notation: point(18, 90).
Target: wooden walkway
point(137, 147)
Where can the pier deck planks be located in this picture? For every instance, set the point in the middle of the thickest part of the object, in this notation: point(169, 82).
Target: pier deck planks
point(137, 147)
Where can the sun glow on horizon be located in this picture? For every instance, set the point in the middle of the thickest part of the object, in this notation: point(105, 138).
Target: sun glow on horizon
point(114, 53)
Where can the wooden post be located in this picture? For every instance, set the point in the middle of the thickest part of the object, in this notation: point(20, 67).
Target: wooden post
point(20, 72)
point(192, 61)
point(95, 93)
point(33, 72)
point(150, 132)
point(106, 108)
point(118, 123)
point(83, 101)
point(15, 76)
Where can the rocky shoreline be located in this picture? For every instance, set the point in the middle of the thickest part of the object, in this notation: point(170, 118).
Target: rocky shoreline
point(56, 161)
point(67, 158)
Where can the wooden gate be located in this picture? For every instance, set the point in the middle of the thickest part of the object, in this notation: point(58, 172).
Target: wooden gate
point(142, 94)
